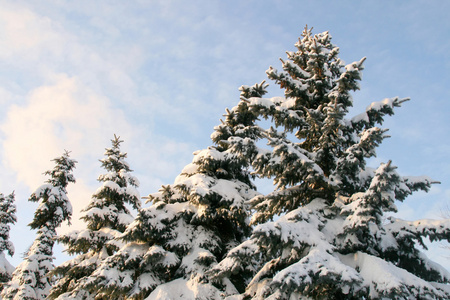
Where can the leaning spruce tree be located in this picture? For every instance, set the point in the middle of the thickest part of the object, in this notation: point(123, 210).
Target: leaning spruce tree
point(325, 231)
point(7, 217)
point(30, 280)
point(189, 227)
point(106, 218)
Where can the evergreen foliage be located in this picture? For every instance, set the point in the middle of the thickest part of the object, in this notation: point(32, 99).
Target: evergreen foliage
point(30, 280)
point(189, 227)
point(323, 233)
point(7, 217)
point(106, 217)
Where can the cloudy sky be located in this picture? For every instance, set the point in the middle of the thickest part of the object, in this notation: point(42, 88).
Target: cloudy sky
point(160, 74)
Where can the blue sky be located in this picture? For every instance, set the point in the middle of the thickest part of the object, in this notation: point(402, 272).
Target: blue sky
point(161, 73)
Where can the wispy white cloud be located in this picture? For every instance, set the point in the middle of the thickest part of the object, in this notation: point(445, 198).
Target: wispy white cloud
point(23, 32)
point(65, 115)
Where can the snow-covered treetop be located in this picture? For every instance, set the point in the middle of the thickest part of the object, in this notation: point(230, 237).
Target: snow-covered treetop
point(119, 188)
point(118, 168)
point(314, 148)
point(115, 159)
point(54, 206)
point(61, 174)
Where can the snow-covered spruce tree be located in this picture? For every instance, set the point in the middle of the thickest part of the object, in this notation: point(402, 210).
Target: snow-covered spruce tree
point(30, 280)
point(189, 226)
point(106, 217)
point(7, 217)
point(323, 233)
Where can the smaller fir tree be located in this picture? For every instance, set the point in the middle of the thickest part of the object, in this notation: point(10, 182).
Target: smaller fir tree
point(106, 218)
point(30, 280)
point(189, 227)
point(7, 217)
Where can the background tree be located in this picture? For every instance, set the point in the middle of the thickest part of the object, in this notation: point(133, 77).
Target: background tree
point(7, 217)
point(106, 218)
point(189, 227)
point(323, 233)
point(29, 280)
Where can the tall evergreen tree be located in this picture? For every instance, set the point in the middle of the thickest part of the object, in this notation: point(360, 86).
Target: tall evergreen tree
point(322, 232)
point(7, 217)
point(29, 280)
point(106, 218)
point(189, 226)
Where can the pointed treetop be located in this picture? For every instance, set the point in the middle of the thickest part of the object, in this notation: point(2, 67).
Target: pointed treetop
point(307, 32)
point(116, 141)
point(54, 206)
point(115, 159)
point(61, 174)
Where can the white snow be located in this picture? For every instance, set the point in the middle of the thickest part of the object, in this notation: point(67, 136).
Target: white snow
point(5, 266)
point(378, 105)
point(383, 278)
point(183, 289)
point(317, 263)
